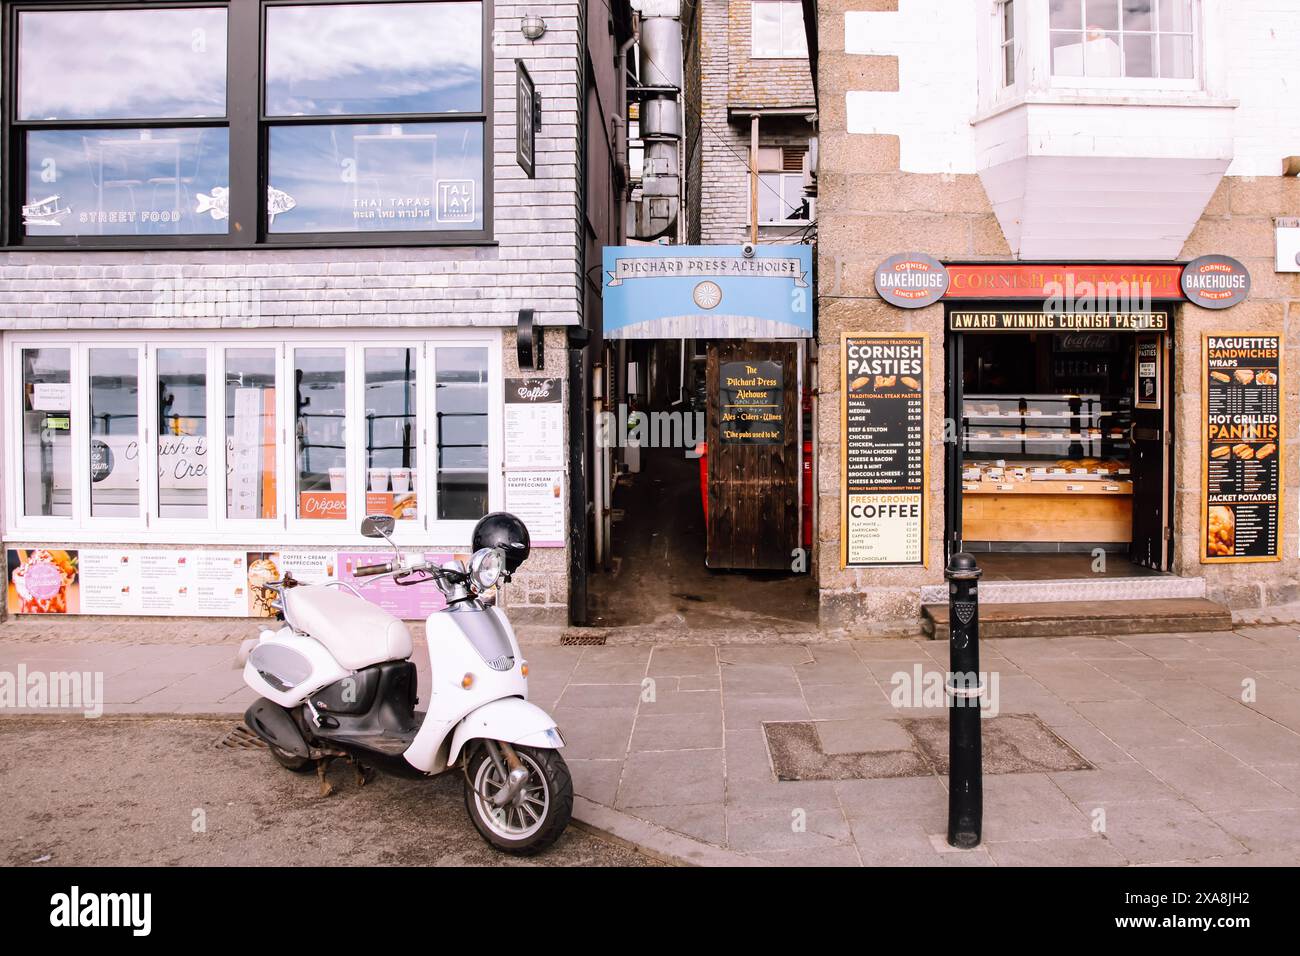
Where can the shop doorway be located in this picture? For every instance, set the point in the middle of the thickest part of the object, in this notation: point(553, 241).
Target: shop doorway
point(1061, 467)
point(708, 526)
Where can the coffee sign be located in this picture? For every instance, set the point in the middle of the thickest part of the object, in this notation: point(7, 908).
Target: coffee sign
point(1216, 282)
point(912, 280)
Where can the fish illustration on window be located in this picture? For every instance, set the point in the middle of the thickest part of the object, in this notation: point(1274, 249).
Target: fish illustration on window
point(217, 203)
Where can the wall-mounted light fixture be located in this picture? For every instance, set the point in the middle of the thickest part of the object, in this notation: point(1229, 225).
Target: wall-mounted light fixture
point(532, 27)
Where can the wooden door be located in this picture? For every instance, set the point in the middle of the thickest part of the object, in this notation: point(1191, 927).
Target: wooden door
point(1150, 446)
point(753, 464)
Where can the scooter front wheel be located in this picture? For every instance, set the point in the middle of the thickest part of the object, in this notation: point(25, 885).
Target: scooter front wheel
point(536, 817)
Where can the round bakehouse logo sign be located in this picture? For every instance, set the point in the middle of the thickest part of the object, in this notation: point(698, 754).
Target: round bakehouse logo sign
point(1216, 282)
point(911, 280)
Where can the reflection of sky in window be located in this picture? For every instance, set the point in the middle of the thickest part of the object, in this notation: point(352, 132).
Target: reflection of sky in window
point(122, 64)
point(377, 177)
point(126, 182)
point(374, 58)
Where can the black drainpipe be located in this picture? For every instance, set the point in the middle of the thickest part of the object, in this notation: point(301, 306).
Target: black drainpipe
point(577, 339)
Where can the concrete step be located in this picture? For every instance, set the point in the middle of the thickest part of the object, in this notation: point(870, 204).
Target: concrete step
point(1086, 618)
point(1084, 590)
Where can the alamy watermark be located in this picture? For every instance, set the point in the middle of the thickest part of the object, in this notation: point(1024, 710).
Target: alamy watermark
point(631, 428)
point(53, 690)
point(212, 298)
point(921, 688)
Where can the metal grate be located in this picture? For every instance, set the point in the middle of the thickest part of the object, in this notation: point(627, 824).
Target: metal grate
point(582, 640)
point(241, 738)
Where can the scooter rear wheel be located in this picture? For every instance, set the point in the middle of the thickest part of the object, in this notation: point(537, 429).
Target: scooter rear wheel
point(291, 761)
point(536, 819)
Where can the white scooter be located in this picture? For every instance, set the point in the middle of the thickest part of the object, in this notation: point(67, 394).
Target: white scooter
point(336, 681)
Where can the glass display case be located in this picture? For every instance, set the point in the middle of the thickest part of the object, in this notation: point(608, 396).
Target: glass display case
point(1046, 444)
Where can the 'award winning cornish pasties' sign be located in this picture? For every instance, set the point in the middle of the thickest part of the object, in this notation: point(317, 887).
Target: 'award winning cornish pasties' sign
point(708, 292)
point(1243, 444)
point(883, 451)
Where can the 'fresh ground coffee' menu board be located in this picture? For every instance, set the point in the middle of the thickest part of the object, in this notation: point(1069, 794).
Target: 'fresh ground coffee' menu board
point(882, 454)
point(1243, 448)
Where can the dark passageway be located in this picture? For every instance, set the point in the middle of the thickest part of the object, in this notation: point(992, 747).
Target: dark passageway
point(659, 576)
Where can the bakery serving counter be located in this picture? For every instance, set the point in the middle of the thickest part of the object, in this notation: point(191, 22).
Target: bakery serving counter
point(1046, 468)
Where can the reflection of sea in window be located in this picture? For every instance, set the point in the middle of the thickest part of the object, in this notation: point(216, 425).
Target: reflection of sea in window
point(250, 433)
point(182, 433)
point(390, 410)
point(47, 432)
point(461, 413)
point(114, 432)
point(320, 427)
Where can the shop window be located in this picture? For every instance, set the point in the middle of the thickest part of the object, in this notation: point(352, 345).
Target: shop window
point(159, 78)
point(115, 444)
point(251, 441)
point(1134, 39)
point(321, 432)
point(777, 29)
point(46, 430)
point(115, 437)
point(422, 171)
point(182, 403)
point(392, 442)
point(461, 412)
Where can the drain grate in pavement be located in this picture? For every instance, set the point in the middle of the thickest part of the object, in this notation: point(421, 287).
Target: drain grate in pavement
point(582, 640)
point(867, 749)
point(241, 738)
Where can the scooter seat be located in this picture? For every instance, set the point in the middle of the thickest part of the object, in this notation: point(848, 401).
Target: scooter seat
point(354, 631)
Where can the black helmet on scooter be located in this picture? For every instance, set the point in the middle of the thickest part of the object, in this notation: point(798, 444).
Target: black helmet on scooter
point(501, 529)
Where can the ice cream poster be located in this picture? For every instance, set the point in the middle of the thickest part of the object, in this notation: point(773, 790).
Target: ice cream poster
point(42, 581)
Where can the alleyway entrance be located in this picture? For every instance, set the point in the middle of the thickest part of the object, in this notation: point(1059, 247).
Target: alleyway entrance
point(658, 574)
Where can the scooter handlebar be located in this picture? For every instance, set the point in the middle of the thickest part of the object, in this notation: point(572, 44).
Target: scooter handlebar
point(369, 570)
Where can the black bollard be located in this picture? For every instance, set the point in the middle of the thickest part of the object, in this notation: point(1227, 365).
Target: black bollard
point(965, 761)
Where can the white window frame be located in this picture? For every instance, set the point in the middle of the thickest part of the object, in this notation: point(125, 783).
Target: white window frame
point(216, 529)
point(1005, 41)
point(783, 174)
point(785, 53)
point(1135, 84)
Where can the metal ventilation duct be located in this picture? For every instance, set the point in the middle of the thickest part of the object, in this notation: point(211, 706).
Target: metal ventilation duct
point(655, 213)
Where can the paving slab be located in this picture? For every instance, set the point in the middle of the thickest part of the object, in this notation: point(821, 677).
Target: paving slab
point(667, 741)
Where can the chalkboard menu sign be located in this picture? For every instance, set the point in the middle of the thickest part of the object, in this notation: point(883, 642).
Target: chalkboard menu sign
point(751, 403)
point(882, 454)
point(1243, 448)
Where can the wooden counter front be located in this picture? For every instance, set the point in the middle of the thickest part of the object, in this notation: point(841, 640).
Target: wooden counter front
point(1045, 511)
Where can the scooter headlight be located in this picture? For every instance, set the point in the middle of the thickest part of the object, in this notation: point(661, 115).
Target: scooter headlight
point(485, 568)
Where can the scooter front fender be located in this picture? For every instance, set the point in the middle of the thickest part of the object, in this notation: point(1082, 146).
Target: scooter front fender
point(511, 719)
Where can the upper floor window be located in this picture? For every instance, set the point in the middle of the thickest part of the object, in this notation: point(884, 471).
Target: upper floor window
point(777, 29)
point(370, 120)
point(121, 138)
point(1007, 18)
point(1146, 39)
point(781, 197)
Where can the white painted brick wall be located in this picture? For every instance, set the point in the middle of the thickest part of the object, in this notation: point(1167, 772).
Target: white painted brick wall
point(1259, 46)
point(534, 264)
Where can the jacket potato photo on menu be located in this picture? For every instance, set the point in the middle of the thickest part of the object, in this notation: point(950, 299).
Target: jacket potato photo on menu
point(1221, 532)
